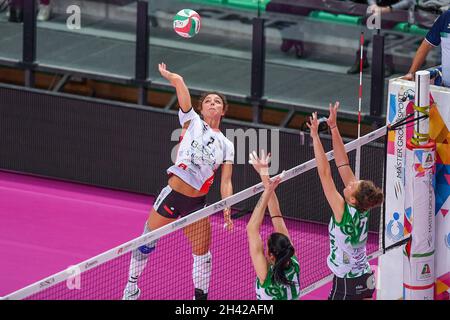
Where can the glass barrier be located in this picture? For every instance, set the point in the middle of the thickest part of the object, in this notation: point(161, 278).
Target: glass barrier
point(11, 34)
point(313, 56)
point(89, 36)
point(307, 60)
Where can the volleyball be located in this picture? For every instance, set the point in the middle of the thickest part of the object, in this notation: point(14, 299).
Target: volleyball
point(186, 23)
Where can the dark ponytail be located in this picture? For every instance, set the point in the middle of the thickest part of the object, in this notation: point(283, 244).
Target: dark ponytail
point(281, 248)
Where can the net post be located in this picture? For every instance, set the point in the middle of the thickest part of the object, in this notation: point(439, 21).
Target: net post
point(258, 67)
point(419, 220)
point(377, 84)
point(29, 42)
point(383, 227)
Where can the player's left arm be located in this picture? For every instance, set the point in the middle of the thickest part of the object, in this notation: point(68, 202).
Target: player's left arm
point(256, 246)
point(256, 250)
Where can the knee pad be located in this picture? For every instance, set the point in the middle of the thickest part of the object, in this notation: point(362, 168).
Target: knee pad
point(149, 247)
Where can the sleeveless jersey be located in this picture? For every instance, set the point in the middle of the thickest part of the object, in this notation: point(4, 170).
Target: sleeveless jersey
point(275, 291)
point(200, 153)
point(347, 258)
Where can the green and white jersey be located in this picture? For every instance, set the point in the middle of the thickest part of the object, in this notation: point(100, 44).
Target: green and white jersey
point(275, 291)
point(347, 258)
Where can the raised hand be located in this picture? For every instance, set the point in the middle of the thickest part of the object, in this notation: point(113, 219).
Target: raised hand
point(170, 76)
point(333, 115)
point(313, 125)
point(261, 165)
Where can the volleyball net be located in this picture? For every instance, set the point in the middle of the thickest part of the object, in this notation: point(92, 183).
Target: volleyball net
point(169, 271)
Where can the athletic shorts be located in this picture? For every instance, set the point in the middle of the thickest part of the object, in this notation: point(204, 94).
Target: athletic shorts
point(172, 204)
point(353, 288)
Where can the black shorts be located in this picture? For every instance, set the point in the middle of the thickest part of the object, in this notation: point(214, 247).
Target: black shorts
point(359, 288)
point(172, 204)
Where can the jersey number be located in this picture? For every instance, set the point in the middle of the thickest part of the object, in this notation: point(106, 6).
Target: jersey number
point(211, 141)
point(363, 226)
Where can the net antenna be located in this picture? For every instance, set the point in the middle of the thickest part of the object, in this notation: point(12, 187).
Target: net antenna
point(358, 150)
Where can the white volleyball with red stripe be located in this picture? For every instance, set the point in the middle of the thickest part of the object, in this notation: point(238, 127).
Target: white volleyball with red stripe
point(187, 23)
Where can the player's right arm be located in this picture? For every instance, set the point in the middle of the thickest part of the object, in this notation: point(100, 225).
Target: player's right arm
point(340, 155)
point(184, 97)
point(432, 39)
point(419, 59)
point(277, 217)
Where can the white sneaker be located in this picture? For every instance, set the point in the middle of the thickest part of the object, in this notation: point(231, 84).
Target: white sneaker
point(44, 12)
point(127, 295)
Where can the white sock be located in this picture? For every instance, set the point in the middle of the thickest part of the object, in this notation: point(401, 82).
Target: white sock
point(201, 271)
point(138, 262)
point(137, 265)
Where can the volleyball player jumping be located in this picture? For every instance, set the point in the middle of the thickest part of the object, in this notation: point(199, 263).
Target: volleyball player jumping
point(278, 274)
point(202, 150)
point(348, 228)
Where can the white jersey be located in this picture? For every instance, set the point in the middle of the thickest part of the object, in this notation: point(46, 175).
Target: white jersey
point(201, 152)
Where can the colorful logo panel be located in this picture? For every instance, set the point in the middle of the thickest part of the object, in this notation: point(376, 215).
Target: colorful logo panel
point(395, 228)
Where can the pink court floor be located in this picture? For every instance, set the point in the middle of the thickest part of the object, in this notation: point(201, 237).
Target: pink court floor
point(48, 225)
